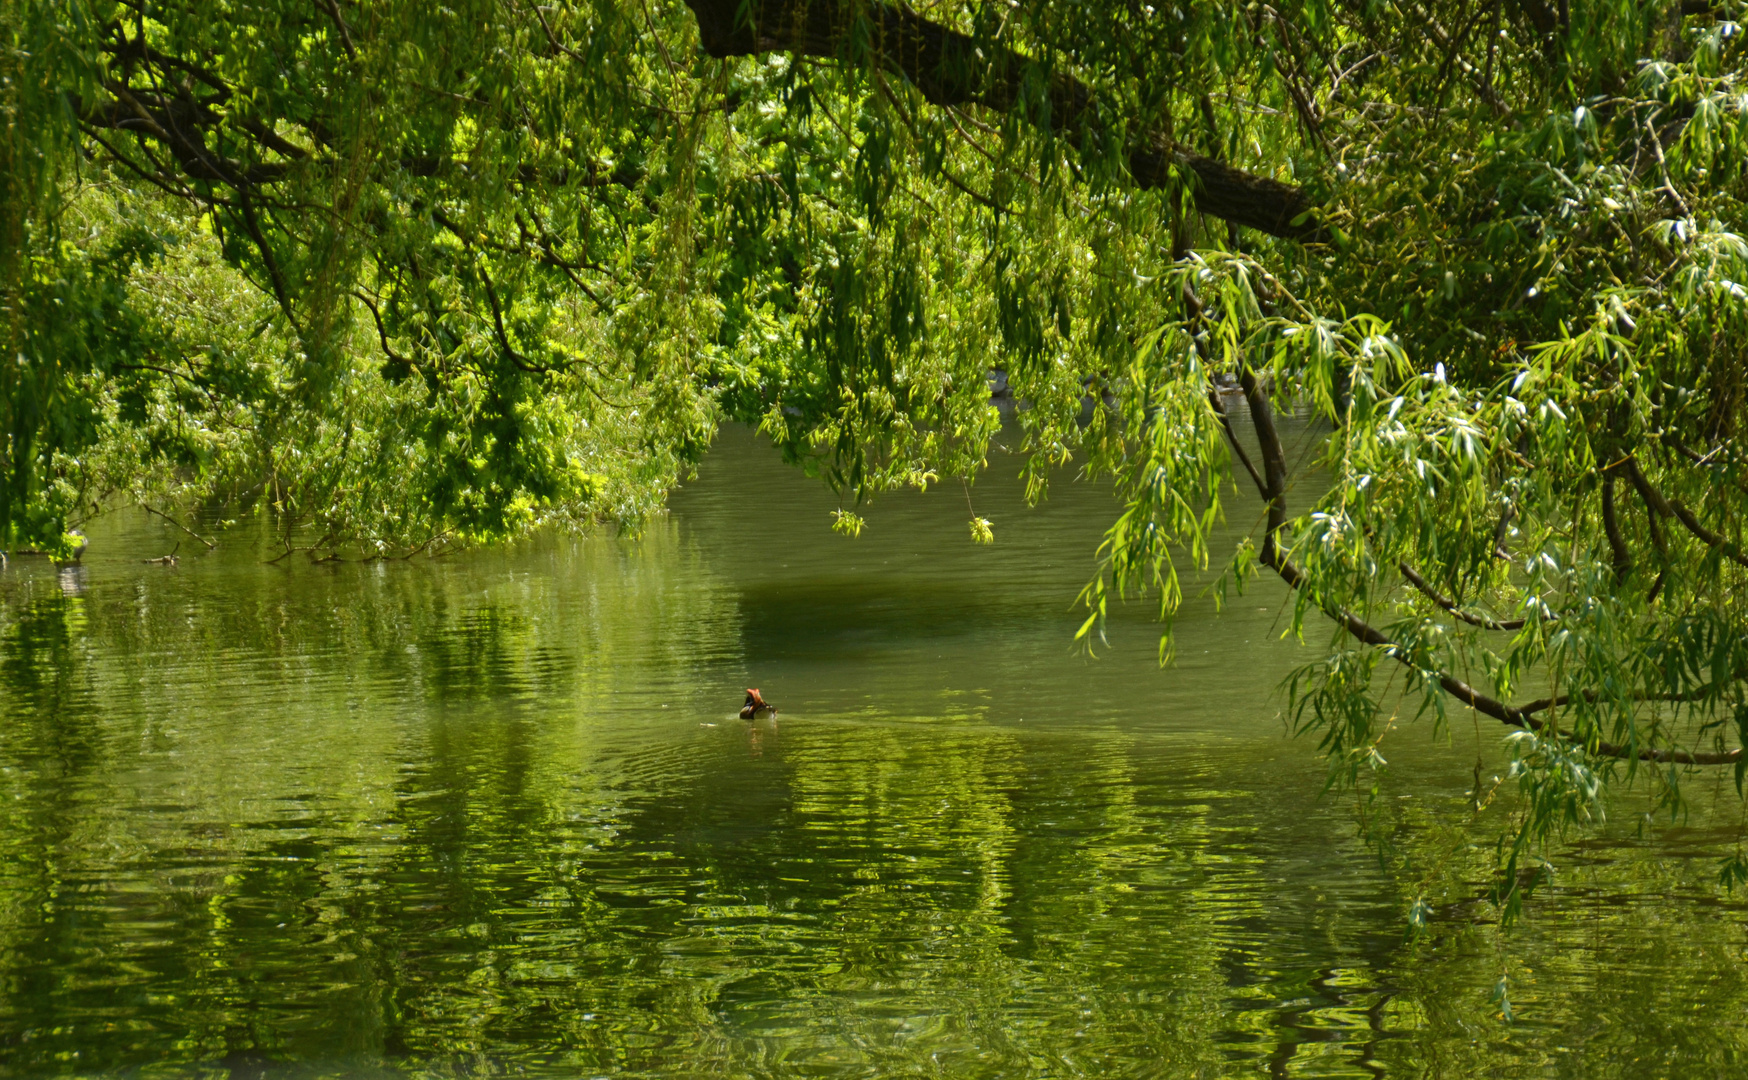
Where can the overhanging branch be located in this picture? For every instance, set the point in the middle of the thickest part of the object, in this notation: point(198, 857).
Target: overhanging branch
point(952, 68)
point(1514, 716)
point(1273, 491)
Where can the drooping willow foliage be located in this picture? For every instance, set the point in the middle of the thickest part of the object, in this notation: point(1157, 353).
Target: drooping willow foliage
point(415, 275)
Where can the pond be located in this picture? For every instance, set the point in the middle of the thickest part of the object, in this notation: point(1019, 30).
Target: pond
point(495, 814)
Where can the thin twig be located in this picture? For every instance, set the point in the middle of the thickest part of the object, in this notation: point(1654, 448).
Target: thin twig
point(1451, 606)
point(209, 544)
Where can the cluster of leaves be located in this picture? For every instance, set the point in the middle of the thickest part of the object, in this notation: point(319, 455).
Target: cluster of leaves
point(203, 403)
point(342, 270)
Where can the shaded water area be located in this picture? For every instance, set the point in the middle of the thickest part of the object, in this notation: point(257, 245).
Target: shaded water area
point(495, 815)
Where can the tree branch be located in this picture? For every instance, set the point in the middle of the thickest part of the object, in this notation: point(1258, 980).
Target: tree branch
point(332, 10)
point(1451, 606)
point(1673, 508)
point(1274, 459)
point(951, 68)
point(381, 329)
point(1275, 559)
point(1611, 527)
point(1232, 437)
point(150, 510)
point(1544, 704)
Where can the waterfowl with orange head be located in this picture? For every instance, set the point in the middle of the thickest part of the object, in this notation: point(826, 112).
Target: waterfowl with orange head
point(756, 706)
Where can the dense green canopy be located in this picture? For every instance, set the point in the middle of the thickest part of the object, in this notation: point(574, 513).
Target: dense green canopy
point(412, 276)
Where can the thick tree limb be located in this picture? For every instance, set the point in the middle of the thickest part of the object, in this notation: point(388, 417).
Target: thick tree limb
point(952, 68)
point(1274, 460)
point(1611, 527)
point(176, 124)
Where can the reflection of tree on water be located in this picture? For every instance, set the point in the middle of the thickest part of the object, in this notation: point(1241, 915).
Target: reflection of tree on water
point(435, 816)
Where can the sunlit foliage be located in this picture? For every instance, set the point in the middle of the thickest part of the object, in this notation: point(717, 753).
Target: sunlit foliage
point(416, 275)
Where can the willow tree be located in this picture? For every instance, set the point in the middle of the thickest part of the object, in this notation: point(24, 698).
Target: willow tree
point(463, 270)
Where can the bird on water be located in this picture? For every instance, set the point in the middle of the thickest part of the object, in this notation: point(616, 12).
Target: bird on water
point(756, 706)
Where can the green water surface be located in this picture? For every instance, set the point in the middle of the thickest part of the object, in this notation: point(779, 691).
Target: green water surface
point(494, 814)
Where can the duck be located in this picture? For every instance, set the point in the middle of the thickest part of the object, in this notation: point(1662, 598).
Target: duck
point(756, 706)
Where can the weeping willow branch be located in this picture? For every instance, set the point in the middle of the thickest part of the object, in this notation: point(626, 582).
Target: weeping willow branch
point(1675, 509)
point(1273, 491)
point(210, 545)
point(1445, 602)
point(1232, 437)
point(1611, 527)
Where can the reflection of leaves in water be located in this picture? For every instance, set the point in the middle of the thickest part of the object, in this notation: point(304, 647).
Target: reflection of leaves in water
point(435, 816)
point(47, 701)
point(491, 654)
